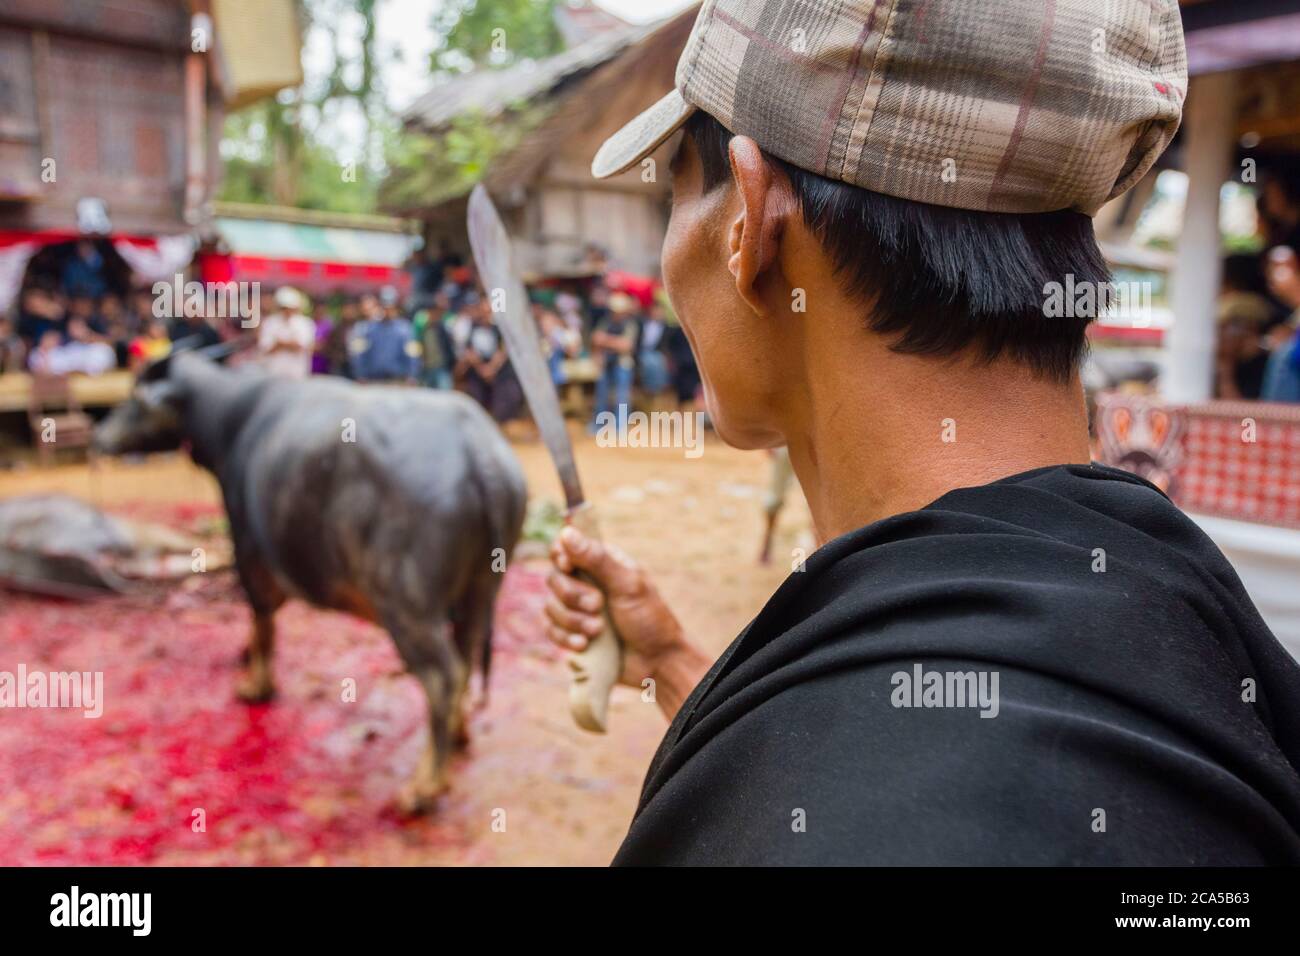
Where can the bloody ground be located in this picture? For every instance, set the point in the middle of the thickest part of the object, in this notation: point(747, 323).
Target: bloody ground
point(178, 771)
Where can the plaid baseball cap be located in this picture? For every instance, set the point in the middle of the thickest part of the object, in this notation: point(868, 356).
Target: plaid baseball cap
point(998, 105)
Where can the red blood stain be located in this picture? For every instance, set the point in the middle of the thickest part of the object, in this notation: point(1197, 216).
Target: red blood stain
point(287, 782)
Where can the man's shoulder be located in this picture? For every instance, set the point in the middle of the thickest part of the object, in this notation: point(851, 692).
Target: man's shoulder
point(934, 760)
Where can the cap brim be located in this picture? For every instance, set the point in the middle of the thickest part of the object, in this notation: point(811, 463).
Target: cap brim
point(642, 136)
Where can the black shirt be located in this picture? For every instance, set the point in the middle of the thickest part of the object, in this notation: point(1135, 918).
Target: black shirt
point(1144, 712)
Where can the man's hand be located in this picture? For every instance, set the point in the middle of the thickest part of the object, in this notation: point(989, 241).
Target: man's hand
point(653, 643)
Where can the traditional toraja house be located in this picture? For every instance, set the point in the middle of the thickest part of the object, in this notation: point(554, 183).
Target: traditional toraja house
point(110, 117)
point(556, 112)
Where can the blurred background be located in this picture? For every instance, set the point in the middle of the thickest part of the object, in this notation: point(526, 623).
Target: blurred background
point(175, 170)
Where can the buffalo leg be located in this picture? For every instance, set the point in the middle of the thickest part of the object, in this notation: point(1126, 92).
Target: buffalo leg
point(257, 684)
point(265, 598)
point(474, 631)
point(433, 661)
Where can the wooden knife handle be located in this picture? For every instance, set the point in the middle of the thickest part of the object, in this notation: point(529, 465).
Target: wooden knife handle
point(593, 672)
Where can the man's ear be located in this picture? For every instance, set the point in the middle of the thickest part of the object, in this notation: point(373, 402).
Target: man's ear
point(755, 234)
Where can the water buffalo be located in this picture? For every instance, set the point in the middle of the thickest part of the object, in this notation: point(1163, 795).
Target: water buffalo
point(399, 505)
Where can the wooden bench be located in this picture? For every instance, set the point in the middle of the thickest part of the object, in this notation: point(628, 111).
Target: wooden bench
point(90, 391)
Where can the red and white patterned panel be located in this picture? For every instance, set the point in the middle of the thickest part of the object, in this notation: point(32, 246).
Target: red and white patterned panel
point(1242, 460)
point(1230, 459)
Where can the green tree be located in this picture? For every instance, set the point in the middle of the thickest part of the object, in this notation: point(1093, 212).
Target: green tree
point(493, 33)
point(272, 150)
point(275, 151)
point(423, 170)
point(474, 34)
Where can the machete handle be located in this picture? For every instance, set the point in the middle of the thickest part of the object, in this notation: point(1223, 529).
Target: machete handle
point(593, 672)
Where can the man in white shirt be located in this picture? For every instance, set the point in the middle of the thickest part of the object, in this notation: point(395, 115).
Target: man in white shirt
point(82, 353)
point(286, 337)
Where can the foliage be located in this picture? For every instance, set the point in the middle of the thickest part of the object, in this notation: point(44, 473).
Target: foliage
point(476, 34)
point(276, 152)
point(425, 170)
point(493, 33)
point(543, 521)
point(273, 151)
point(271, 160)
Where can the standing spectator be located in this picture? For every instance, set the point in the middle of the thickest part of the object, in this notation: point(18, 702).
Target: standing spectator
point(681, 362)
point(613, 342)
point(1282, 375)
point(597, 310)
point(652, 364)
point(426, 276)
point(383, 346)
point(485, 367)
point(462, 322)
point(368, 312)
point(560, 342)
point(83, 273)
point(336, 343)
point(286, 337)
point(391, 302)
point(436, 349)
point(1245, 315)
point(324, 322)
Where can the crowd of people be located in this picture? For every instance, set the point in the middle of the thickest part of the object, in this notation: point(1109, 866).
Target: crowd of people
point(77, 317)
point(74, 320)
point(448, 338)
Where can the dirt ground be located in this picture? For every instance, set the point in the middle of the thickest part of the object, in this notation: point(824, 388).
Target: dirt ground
point(308, 778)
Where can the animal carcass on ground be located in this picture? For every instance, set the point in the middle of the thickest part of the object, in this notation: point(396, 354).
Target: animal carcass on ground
point(399, 505)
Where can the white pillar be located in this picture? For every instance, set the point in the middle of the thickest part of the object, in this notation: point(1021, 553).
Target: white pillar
point(1209, 132)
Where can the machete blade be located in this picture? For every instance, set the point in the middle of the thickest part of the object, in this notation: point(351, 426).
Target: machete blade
point(492, 252)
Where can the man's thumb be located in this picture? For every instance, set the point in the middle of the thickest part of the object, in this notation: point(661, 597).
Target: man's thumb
point(607, 565)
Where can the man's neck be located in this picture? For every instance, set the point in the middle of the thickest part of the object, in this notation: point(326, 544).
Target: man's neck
point(891, 434)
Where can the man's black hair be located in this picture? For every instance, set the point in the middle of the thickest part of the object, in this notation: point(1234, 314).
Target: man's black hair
point(942, 280)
